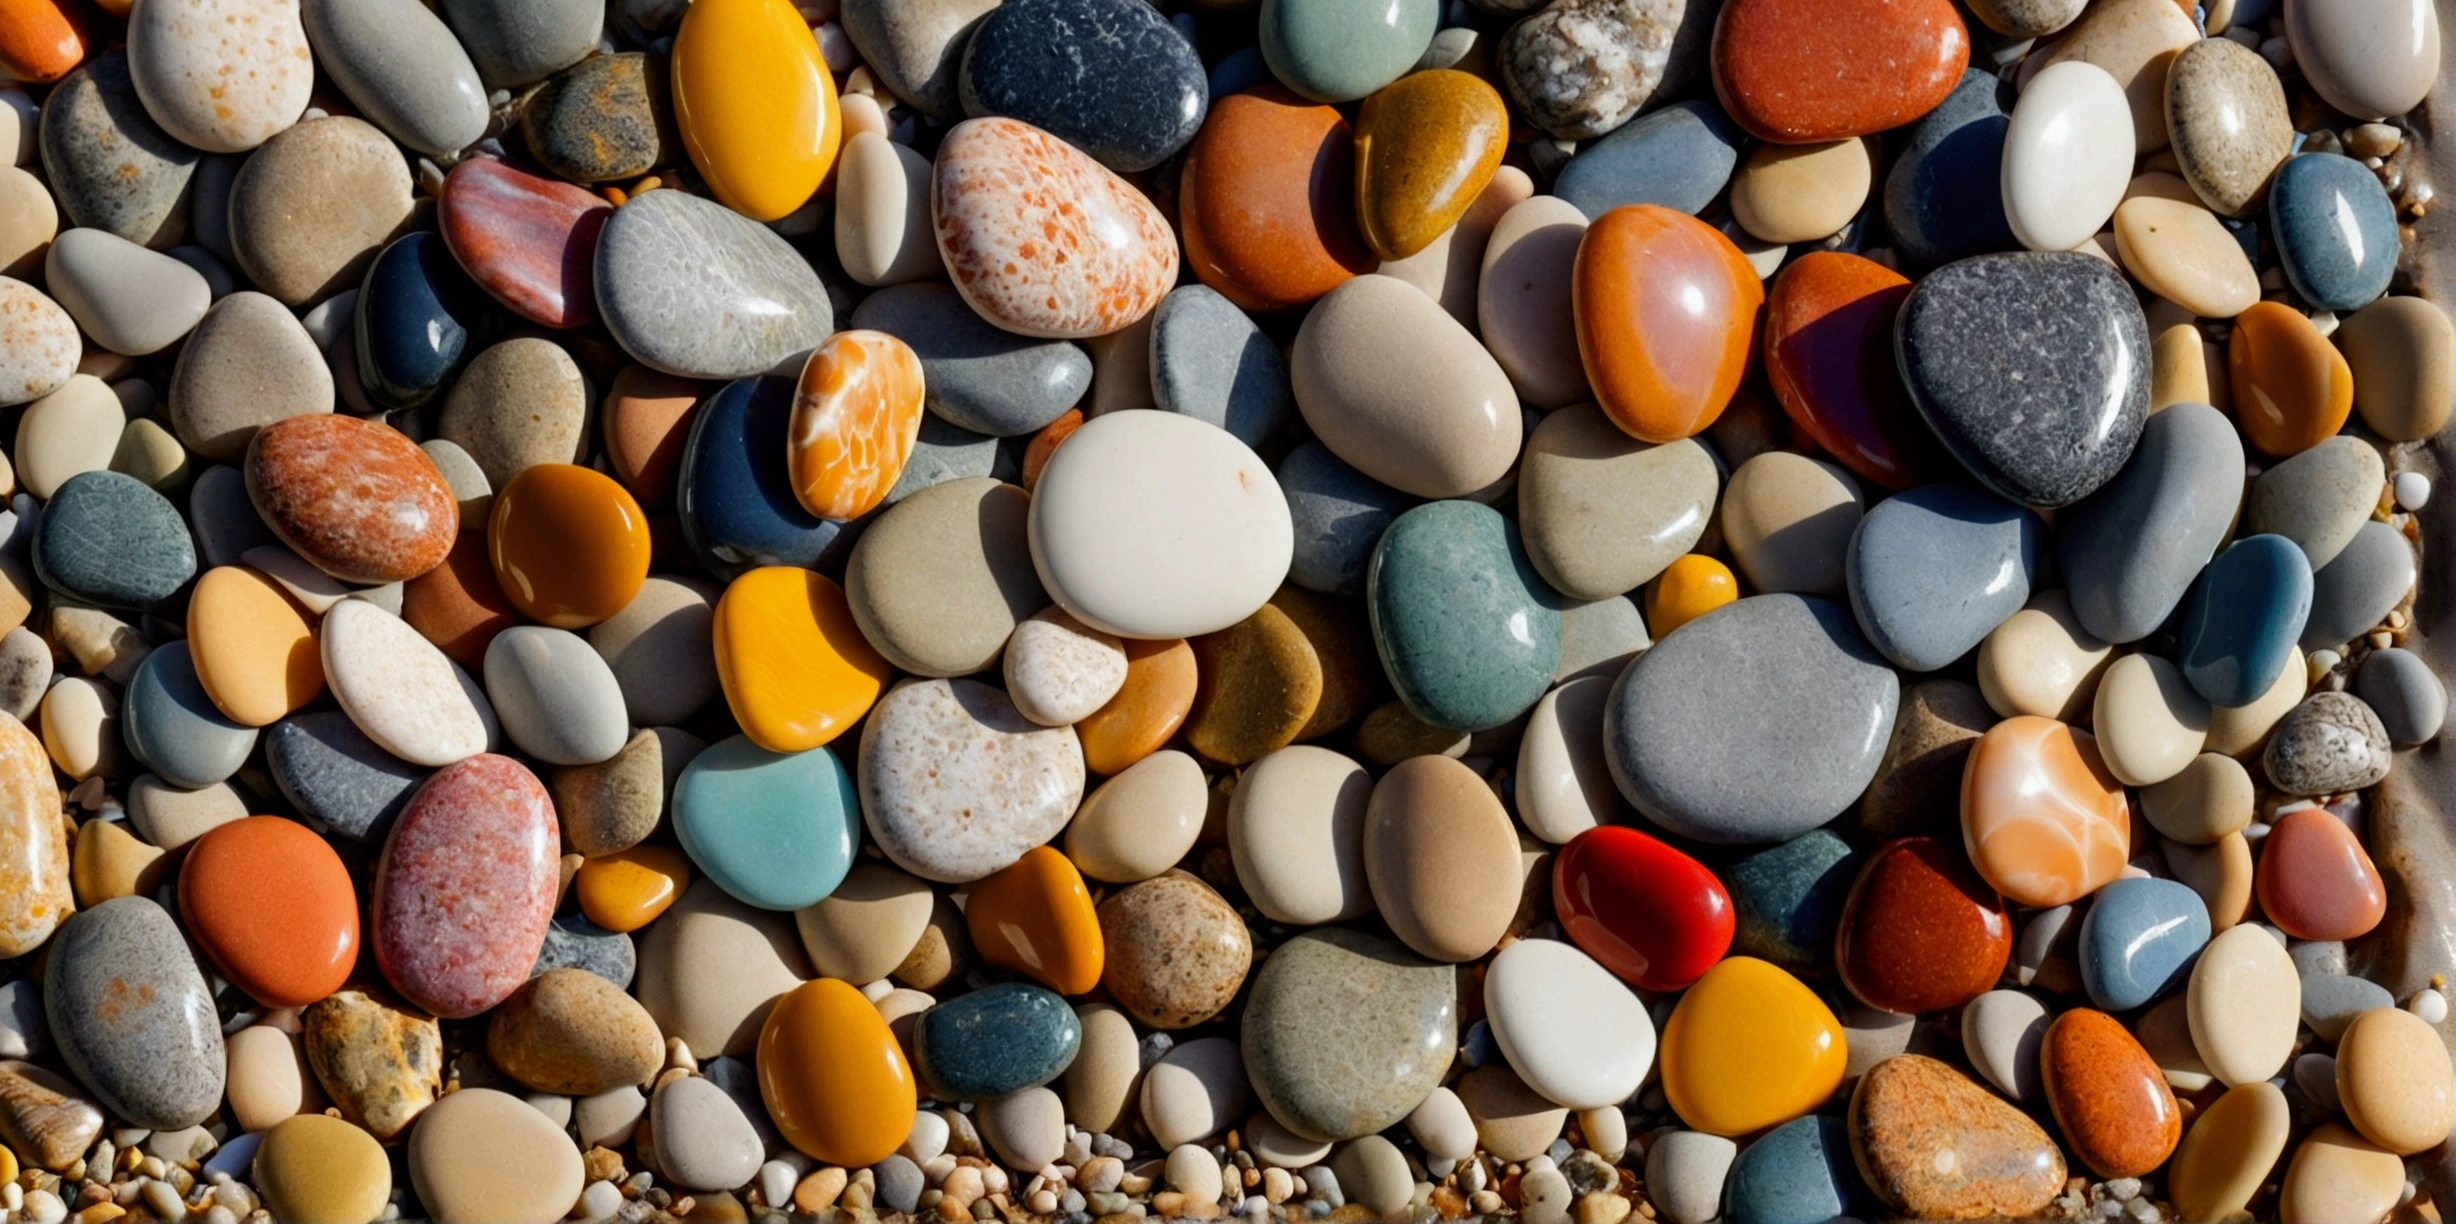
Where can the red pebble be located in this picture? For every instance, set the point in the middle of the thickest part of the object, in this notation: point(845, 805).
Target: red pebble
point(466, 886)
point(2315, 880)
point(1801, 71)
point(1829, 356)
point(1649, 913)
point(531, 242)
point(1921, 932)
point(356, 498)
point(273, 908)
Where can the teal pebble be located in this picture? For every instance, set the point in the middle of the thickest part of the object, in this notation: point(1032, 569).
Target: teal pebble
point(173, 727)
point(1800, 1172)
point(106, 539)
point(995, 1041)
point(1786, 902)
point(1466, 630)
point(1341, 50)
point(773, 829)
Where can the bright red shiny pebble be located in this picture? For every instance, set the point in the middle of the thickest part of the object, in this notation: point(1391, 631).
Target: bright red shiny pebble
point(1921, 932)
point(1648, 912)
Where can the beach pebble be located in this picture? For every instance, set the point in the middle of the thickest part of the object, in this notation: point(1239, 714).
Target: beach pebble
point(461, 968)
point(1329, 1075)
point(1685, 1174)
point(2226, 113)
point(221, 75)
point(556, 697)
point(2401, 352)
point(2394, 1082)
point(2034, 777)
point(129, 299)
point(2374, 65)
point(1143, 821)
point(933, 752)
point(2336, 1171)
point(2316, 880)
point(2229, 1151)
point(111, 166)
point(480, 1151)
point(1424, 410)
point(1933, 571)
point(2410, 700)
point(42, 343)
point(1550, 1007)
point(1745, 1013)
point(1604, 513)
point(404, 70)
point(310, 212)
point(1469, 635)
point(2331, 742)
point(774, 829)
point(755, 303)
point(710, 968)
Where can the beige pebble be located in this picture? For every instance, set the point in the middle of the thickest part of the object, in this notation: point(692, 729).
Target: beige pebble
point(1512, 1121)
point(1449, 269)
point(2221, 872)
point(519, 403)
point(1523, 301)
point(1141, 822)
point(2231, 1148)
point(80, 726)
point(268, 1079)
point(2203, 802)
point(171, 817)
point(29, 220)
point(482, 1155)
point(863, 930)
point(1275, 1146)
point(2041, 661)
point(1393, 385)
point(2178, 370)
point(2180, 251)
point(1194, 1092)
point(1104, 1081)
point(1442, 858)
point(2402, 351)
point(944, 950)
point(73, 430)
point(1441, 1126)
point(1373, 1172)
point(471, 491)
point(1603, 513)
point(2150, 722)
point(660, 650)
point(1194, 1172)
point(1060, 670)
point(1788, 520)
point(1801, 193)
point(1564, 783)
point(709, 969)
point(2395, 1082)
point(883, 234)
point(2239, 731)
point(1296, 835)
point(2245, 1005)
point(2338, 1176)
point(2165, 1032)
point(1026, 1130)
point(152, 454)
point(2135, 42)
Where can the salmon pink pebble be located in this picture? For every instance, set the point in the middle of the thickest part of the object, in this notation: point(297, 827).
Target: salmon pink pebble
point(1041, 239)
point(2315, 881)
point(272, 906)
point(356, 498)
point(466, 886)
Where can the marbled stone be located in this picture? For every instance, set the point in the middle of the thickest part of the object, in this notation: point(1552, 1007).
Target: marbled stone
point(530, 242)
point(1580, 68)
point(608, 117)
point(353, 497)
point(750, 302)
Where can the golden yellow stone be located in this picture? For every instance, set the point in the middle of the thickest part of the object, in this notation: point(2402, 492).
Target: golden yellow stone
point(1425, 146)
point(1259, 683)
point(1688, 588)
point(313, 1169)
point(755, 103)
point(833, 1077)
point(627, 889)
point(1749, 1048)
point(794, 666)
point(111, 862)
point(252, 645)
point(1035, 916)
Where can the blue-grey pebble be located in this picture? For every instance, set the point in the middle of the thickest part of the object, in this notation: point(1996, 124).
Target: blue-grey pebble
point(1800, 1172)
point(173, 727)
point(994, 1041)
point(2330, 1001)
point(979, 377)
point(943, 451)
point(1786, 901)
point(557, 698)
point(1754, 723)
point(111, 166)
point(332, 773)
point(1681, 156)
point(899, 1183)
point(2131, 550)
point(223, 520)
point(107, 539)
point(515, 42)
point(1944, 197)
point(573, 942)
point(2237, 633)
point(1209, 362)
point(749, 301)
point(2317, 957)
point(1339, 514)
point(2319, 498)
point(131, 1016)
point(403, 69)
point(1239, 71)
point(2139, 939)
point(1933, 570)
point(2353, 593)
point(2335, 230)
point(2409, 698)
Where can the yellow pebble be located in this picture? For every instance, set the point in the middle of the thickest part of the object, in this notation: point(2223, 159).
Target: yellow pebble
point(628, 889)
point(755, 103)
point(110, 862)
point(1749, 1048)
point(1692, 586)
point(834, 1078)
point(312, 1169)
point(794, 666)
point(1035, 916)
point(253, 649)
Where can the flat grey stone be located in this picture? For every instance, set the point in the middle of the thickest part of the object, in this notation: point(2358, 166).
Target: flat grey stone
point(2330, 743)
point(25, 674)
point(332, 773)
point(1339, 515)
point(2355, 591)
point(1209, 362)
point(131, 1016)
point(973, 374)
point(1345, 1033)
point(2131, 550)
point(129, 299)
point(693, 288)
point(514, 42)
point(2331, 1001)
point(1681, 157)
point(916, 47)
point(111, 166)
point(2410, 700)
point(406, 72)
point(555, 695)
point(1754, 723)
point(573, 942)
point(23, 1031)
point(1932, 571)
point(2319, 498)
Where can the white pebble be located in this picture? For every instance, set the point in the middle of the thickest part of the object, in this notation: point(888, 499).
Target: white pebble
point(2429, 1004)
point(599, 1202)
point(1194, 1173)
point(927, 1138)
point(2324, 661)
point(44, 1207)
point(2412, 490)
point(776, 1180)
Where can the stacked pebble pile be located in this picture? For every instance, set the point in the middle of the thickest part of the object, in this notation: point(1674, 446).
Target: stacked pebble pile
point(1775, 609)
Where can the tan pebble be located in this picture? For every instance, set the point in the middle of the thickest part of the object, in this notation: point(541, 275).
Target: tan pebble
point(2239, 731)
point(2178, 370)
point(1275, 1146)
point(2245, 1005)
point(171, 817)
point(1788, 520)
point(883, 234)
point(1917, 787)
point(613, 805)
point(2229, 1151)
point(2402, 351)
point(2180, 251)
point(1059, 670)
point(2165, 1031)
point(1141, 822)
point(2337, 1177)
point(1397, 388)
point(1391, 733)
point(1603, 513)
point(2150, 722)
point(865, 928)
point(1441, 857)
point(2395, 1082)
point(482, 1155)
point(150, 453)
point(1564, 784)
point(1106, 1074)
point(572, 1033)
point(1121, 369)
point(471, 491)
point(660, 651)
point(710, 968)
point(1176, 951)
point(1194, 1092)
point(109, 862)
point(73, 430)
point(268, 1079)
point(1523, 301)
point(382, 1066)
point(29, 220)
point(2203, 802)
point(2135, 41)
point(1801, 193)
point(2221, 872)
point(1511, 1121)
point(2041, 661)
point(81, 728)
point(1296, 835)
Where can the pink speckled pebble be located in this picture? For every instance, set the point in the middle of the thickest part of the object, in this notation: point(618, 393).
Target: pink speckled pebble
point(1043, 240)
point(466, 886)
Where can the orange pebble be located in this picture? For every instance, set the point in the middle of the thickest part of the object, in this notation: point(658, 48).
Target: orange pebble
point(794, 666)
point(253, 646)
point(1147, 710)
point(2291, 387)
point(1688, 588)
point(1045, 443)
point(627, 889)
point(273, 907)
point(458, 605)
point(1666, 315)
point(856, 414)
point(1035, 916)
point(41, 40)
point(833, 1076)
point(569, 546)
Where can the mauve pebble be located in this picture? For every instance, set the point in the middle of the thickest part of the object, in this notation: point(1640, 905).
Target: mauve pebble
point(466, 887)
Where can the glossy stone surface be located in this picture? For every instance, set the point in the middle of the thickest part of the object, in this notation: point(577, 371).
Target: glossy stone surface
point(1666, 312)
point(1797, 71)
point(1110, 77)
point(2131, 551)
point(172, 728)
point(2226, 113)
point(403, 69)
point(528, 241)
point(2315, 879)
point(1267, 204)
point(106, 539)
point(1920, 931)
point(273, 907)
point(2291, 388)
point(1944, 197)
point(1457, 664)
point(1933, 1143)
point(2042, 819)
point(795, 668)
point(1342, 50)
point(2246, 612)
point(2355, 591)
point(753, 302)
point(2138, 940)
point(1680, 157)
point(2335, 230)
point(755, 105)
point(856, 414)
point(1649, 913)
point(1801, 1169)
point(418, 318)
point(466, 886)
point(1001, 188)
point(131, 1016)
point(1933, 571)
point(739, 511)
point(1345, 1033)
point(2115, 1111)
point(1787, 900)
point(33, 843)
point(994, 1041)
point(568, 545)
point(775, 830)
point(353, 497)
point(1749, 1047)
point(832, 1075)
point(1829, 358)
point(1425, 146)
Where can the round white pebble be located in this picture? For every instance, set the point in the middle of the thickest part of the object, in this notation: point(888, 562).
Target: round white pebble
point(2067, 156)
point(1573, 1032)
point(2412, 490)
point(2429, 1004)
point(1194, 1173)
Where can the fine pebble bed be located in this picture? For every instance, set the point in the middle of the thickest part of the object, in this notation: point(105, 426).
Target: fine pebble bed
point(1616, 611)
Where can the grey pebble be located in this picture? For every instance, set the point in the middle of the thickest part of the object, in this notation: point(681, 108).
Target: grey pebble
point(2319, 499)
point(25, 672)
point(899, 1183)
point(1681, 156)
point(1209, 362)
point(2352, 593)
point(558, 699)
point(514, 42)
point(131, 1015)
point(2330, 743)
point(976, 376)
point(2330, 1001)
point(24, 1032)
point(328, 769)
point(399, 63)
point(573, 942)
point(942, 452)
point(111, 166)
point(173, 727)
point(1933, 570)
point(223, 519)
point(2315, 957)
point(2410, 700)
point(751, 299)
point(1339, 515)
point(2131, 550)
point(1344, 1032)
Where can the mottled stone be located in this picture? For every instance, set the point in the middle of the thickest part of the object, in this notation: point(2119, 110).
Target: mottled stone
point(993, 1042)
point(1111, 77)
point(936, 754)
point(2332, 742)
point(604, 119)
point(309, 210)
point(1466, 630)
point(131, 1015)
point(1344, 1033)
point(999, 189)
point(111, 166)
point(2226, 113)
point(1580, 68)
point(1176, 953)
point(751, 301)
point(354, 497)
point(466, 886)
point(221, 75)
point(1936, 1145)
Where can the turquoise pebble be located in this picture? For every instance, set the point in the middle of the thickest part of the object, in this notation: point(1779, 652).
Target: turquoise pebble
point(1341, 50)
point(776, 830)
point(1786, 901)
point(995, 1041)
point(1466, 630)
point(2139, 938)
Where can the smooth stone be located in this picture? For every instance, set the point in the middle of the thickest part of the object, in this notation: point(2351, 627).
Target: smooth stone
point(2117, 1116)
point(1579, 70)
point(221, 75)
point(934, 753)
point(70, 431)
point(1604, 513)
point(1345, 1033)
point(605, 118)
point(1830, 320)
point(2001, 1030)
point(571, 1032)
point(645, 423)
point(994, 1042)
point(1564, 786)
point(1470, 668)
point(1932, 1143)
point(33, 222)
point(737, 505)
point(753, 302)
point(527, 241)
point(326, 767)
point(110, 166)
point(2229, 1151)
point(916, 50)
point(2137, 940)
point(1747, 1048)
point(1973, 327)
point(1787, 194)
point(1787, 900)
point(567, 544)
point(1175, 952)
point(1266, 202)
point(2394, 1081)
point(1964, 941)
point(467, 886)
point(309, 212)
point(1337, 515)
point(418, 319)
point(1806, 676)
point(46, 1116)
point(108, 862)
point(380, 1066)
point(2319, 499)
point(2409, 698)
point(2402, 354)
point(2329, 1002)
point(269, 1079)
point(129, 299)
point(2332, 742)
point(2243, 1003)
point(2371, 63)
point(2131, 551)
point(862, 930)
point(2358, 588)
point(1525, 310)
point(943, 579)
point(658, 648)
point(1944, 196)
point(1058, 671)
point(1113, 504)
point(2149, 721)
point(1802, 1169)
point(1161, 684)
point(286, 955)
point(2303, 389)
point(1440, 857)
point(1679, 157)
point(2226, 113)
point(1427, 412)
point(773, 829)
point(1210, 362)
point(2067, 155)
point(1665, 312)
point(856, 413)
point(2246, 611)
point(131, 1016)
point(403, 69)
point(106, 539)
point(401, 692)
point(2135, 44)
point(516, 43)
point(2202, 804)
point(1572, 1031)
point(1000, 187)
point(1377, 1172)
point(246, 365)
point(2043, 820)
point(319, 1168)
point(711, 967)
point(1196, 1090)
point(977, 376)
point(2316, 881)
point(1686, 1172)
point(1648, 912)
point(25, 671)
point(171, 817)
point(1296, 835)
point(1101, 1086)
point(42, 345)
point(2338, 1174)
point(883, 234)
point(1131, 95)
point(254, 649)
point(480, 1154)
point(1917, 788)
point(1341, 51)
point(353, 497)
point(1427, 147)
point(1933, 571)
point(558, 700)
point(1512, 1122)
point(732, 64)
point(173, 727)
point(2335, 230)
point(833, 1078)
point(2182, 253)
point(1264, 685)
point(80, 728)
point(703, 1140)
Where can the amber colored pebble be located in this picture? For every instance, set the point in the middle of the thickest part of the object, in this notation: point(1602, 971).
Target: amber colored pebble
point(569, 546)
point(2291, 387)
point(41, 40)
point(1035, 916)
point(1044, 444)
point(1829, 356)
point(2110, 1100)
point(1259, 683)
point(833, 1076)
point(1343, 644)
point(1920, 932)
point(1161, 678)
point(645, 419)
point(1267, 201)
point(794, 666)
point(1691, 586)
point(458, 605)
point(628, 889)
point(1666, 311)
point(254, 649)
point(1426, 144)
point(755, 104)
point(856, 414)
point(273, 907)
point(110, 862)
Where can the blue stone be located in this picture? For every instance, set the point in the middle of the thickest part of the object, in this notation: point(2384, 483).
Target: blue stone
point(106, 539)
point(1932, 571)
point(336, 777)
point(1239, 71)
point(2335, 230)
point(2139, 938)
point(973, 374)
point(2245, 615)
point(1110, 77)
point(1944, 198)
point(1339, 515)
point(942, 452)
point(419, 318)
point(734, 493)
point(775, 829)
point(173, 727)
point(1467, 632)
point(1209, 362)
point(1679, 157)
point(573, 942)
point(1800, 1172)
point(994, 1041)
point(1786, 901)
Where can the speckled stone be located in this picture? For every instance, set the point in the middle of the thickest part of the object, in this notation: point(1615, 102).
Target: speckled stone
point(2131, 550)
point(111, 166)
point(515, 42)
point(353, 497)
point(1111, 77)
point(1345, 1033)
point(2409, 698)
point(221, 75)
point(1466, 630)
point(975, 376)
point(2226, 113)
point(106, 539)
point(937, 755)
point(381, 1066)
point(1680, 157)
point(1580, 68)
point(1753, 723)
point(1209, 362)
point(328, 769)
point(309, 210)
point(2332, 742)
point(131, 1015)
point(1934, 1144)
point(2335, 230)
point(1176, 952)
point(994, 1041)
point(2063, 328)
point(573, 942)
point(1786, 901)
point(751, 300)
point(1934, 570)
point(1000, 189)
point(2356, 590)
point(39, 345)
point(1944, 197)
point(2318, 499)
point(1802, 1169)
point(247, 364)
point(1339, 514)
point(606, 118)
point(466, 886)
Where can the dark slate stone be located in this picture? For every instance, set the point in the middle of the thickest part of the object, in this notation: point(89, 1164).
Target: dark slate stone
point(1932, 571)
point(106, 539)
point(2335, 230)
point(1339, 514)
point(332, 773)
point(573, 942)
point(976, 376)
point(1786, 902)
point(1209, 362)
point(419, 317)
point(2246, 612)
point(131, 1014)
point(735, 496)
point(1944, 198)
point(1110, 77)
point(173, 727)
point(1679, 157)
point(992, 1042)
point(2032, 367)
